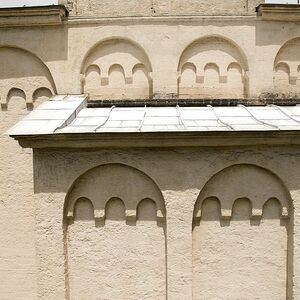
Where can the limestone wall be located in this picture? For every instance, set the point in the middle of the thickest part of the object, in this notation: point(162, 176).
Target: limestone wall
point(17, 210)
point(105, 8)
point(25, 82)
point(187, 57)
point(172, 57)
point(219, 223)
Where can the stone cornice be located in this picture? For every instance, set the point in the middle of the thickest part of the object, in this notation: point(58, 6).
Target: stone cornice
point(279, 12)
point(160, 140)
point(33, 16)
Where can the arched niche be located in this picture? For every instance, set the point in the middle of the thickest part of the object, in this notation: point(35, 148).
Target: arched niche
point(286, 69)
point(242, 235)
point(115, 225)
point(41, 95)
point(20, 69)
point(122, 61)
point(212, 57)
point(16, 99)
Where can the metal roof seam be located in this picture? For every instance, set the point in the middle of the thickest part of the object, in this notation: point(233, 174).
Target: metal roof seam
point(257, 120)
point(178, 110)
point(219, 120)
point(143, 119)
point(285, 113)
point(106, 120)
point(73, 116)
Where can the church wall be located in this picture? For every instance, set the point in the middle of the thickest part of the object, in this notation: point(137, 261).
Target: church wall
point(48, 60)
point(249, 226)
point(156, 8)
point(252, 62)
point(17, 210)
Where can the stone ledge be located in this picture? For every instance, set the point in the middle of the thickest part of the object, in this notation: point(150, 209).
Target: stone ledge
point(279, 12)
point(33, 16)
point(160, 140)
point(191, 102)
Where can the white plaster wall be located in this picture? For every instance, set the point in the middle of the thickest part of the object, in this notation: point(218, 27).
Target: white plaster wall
point(240, 259)
point(116, 260)
point(17, 212)
point(32, 255)
point(106, 8)
point(64, 48)
point(181, 174)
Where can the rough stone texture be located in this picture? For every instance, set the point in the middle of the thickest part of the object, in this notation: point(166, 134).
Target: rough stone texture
point(248, 46)
point(17, 212)
point(105, 8)
point(44, 256)
point(181, 175)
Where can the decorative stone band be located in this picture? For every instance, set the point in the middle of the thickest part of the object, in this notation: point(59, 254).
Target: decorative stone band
point(279, 12)
point(100, 214)
point(33, 16)
point(256, 213)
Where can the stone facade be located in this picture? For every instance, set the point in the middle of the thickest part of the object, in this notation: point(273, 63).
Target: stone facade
point(213, 221)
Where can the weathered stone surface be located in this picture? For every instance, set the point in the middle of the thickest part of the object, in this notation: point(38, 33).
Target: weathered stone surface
point(162, 49)
point(105, 8)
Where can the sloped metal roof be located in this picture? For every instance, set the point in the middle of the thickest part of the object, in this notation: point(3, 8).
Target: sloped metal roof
point(70, 114)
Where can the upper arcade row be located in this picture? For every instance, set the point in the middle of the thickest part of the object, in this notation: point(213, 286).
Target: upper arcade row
point(118, 68)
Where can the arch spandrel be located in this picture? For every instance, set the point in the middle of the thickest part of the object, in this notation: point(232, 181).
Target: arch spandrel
point(237, 230)
point(286, 69)
point(105, 182)
point(127, 55)
point(122, 232)
point(239, 181)
point(28, 74)
point(221, 53)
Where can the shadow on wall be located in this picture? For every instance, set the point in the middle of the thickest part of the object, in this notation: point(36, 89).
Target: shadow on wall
point(212, 67)
point(242, 235)
point(115, 236)
point(23, 83)
point(287, 69)
point(117, 69)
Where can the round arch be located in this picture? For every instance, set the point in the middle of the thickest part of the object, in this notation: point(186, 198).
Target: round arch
point(114, 181)
point(272, 187)
point(115, 39)
point(221, 38)
point(288, 53)
point(38, 60)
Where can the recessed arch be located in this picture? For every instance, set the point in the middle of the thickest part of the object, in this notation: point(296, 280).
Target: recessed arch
point(289, 53)
point(218, 51)
point(146, 210)
point(190, 66)
point(126, 54)
point(115, 40)
point(29, 74)
point(282, 66)
point(115, 209)
point(125, 200)
point(84, 188)
point(40, 95)
point(245, 173)
point(272, 209)
point(255, 215)
point(84, 210)
point(16, 99)
point(242, 56)
point(235, 65)
point(286, 67)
